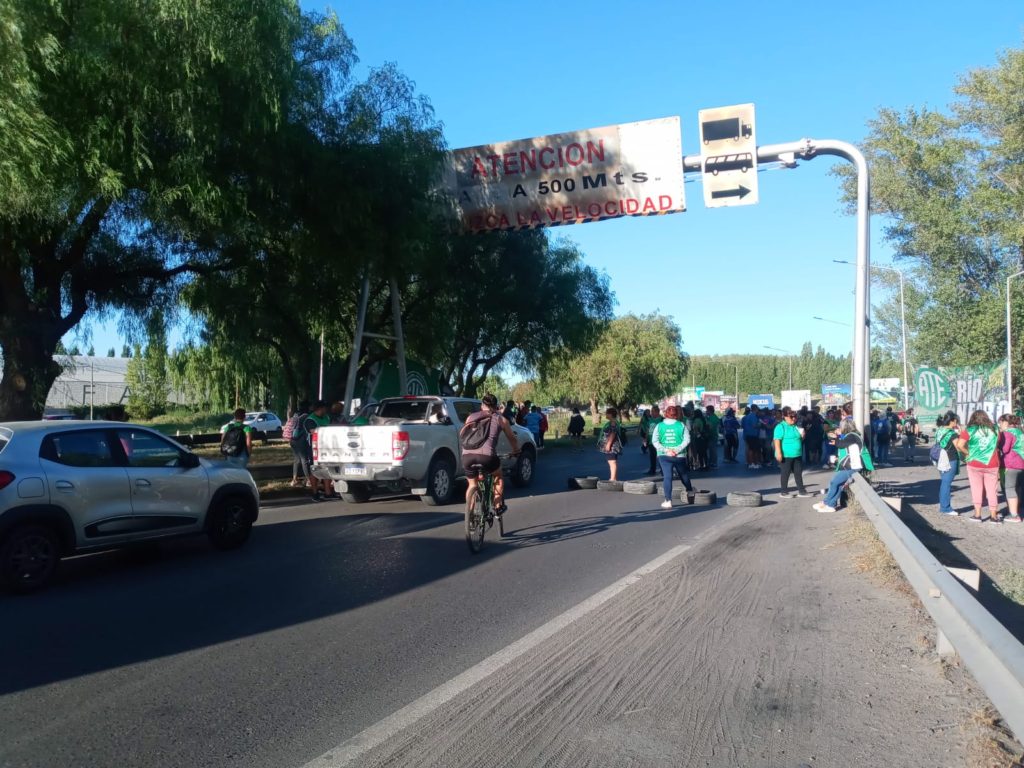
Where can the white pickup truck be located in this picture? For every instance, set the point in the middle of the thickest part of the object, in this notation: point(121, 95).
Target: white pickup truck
point(399, 451)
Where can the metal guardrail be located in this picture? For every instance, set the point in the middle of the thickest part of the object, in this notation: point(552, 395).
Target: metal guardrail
point(993, 655)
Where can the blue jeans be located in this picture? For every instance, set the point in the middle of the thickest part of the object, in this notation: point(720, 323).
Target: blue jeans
point(883, 452)
point(835, 488)
point(682, 468)
point(241, 460)
point(946, 486)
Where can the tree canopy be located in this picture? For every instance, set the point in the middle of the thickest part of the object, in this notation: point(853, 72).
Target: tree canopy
point(137, 139)
point(950, 186)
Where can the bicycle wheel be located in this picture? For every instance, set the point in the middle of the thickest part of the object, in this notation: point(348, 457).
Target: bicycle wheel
point(475, 522)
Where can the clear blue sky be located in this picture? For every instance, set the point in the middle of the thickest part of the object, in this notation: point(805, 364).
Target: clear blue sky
point(734, 279)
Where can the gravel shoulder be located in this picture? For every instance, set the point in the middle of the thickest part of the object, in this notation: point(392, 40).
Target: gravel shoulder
point(762, 646)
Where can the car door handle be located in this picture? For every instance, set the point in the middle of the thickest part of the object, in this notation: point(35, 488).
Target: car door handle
point(64, 485)
point(140, 483)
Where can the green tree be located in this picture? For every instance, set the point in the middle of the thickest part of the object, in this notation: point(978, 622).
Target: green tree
point(111, 352)
point(146, 376)
point(951, 188)
point(636, 359)
point(141, 138)
point(126, 351)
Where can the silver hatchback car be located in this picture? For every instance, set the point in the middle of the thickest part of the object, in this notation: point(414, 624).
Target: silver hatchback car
point(72, 486)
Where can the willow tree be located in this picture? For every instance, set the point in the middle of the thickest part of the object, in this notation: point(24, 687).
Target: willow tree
point(134, 140)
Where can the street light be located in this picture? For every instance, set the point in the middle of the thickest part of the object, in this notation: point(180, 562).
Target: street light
point(737, 367)
point(834, 322)
point(1009, 362)
point(903, 324)
point(777, 349)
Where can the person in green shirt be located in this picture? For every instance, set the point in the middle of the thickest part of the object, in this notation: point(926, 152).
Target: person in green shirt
point(789, 445)
point(315, 419)
point(713, 423)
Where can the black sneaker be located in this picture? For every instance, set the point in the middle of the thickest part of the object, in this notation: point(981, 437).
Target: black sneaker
point(499, 511)
point(318, 496)
point(787, 494)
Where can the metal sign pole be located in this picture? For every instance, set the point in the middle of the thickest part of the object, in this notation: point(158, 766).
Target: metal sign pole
point(808, 149)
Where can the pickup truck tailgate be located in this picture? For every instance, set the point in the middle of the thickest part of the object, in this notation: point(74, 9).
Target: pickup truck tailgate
point(354, 445)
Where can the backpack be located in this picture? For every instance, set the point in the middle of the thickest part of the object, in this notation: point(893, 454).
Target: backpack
point(935, 452)
point(297, 426)
point(233, 441)
point(475, 433)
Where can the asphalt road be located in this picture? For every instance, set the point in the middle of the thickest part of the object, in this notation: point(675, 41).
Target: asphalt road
point(331, 618)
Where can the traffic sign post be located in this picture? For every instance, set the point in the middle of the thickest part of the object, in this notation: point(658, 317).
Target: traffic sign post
point(728, 156)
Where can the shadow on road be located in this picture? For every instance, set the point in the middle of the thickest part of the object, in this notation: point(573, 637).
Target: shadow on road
point(119, 608)
point(943, 545)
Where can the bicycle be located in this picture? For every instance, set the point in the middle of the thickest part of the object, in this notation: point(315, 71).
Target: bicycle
point(480, 508)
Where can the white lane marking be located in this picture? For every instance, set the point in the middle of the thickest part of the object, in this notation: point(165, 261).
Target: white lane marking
point(352, 749)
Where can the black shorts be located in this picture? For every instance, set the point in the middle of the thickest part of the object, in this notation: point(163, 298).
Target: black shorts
point(489, 463)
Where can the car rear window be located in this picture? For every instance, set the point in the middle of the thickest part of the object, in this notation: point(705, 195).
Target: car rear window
point(407, 410)
point(5, 438)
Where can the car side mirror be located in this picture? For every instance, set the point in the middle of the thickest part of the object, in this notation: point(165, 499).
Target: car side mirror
point(189, 460)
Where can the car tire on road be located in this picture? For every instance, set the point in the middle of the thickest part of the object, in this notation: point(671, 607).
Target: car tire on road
point(440, 482)
point(705, 497)
point(744, 499)
point(29, 555)
point(229, 523)
point(609, 485)
point(357, 493)
point(639, 487)
point(586, 483)
point(526, 462)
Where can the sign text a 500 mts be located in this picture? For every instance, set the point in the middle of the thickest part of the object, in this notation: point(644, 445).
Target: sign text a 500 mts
point(633, 169)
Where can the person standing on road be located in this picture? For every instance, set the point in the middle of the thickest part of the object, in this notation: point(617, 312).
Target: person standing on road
point(295, 433)
point(714, 429)
point(730, 429)
point(576, 426)
point(945, 436)
point(611, 441)
point(653, 419)
point(881, 428)
point(236, 440)
point(1011, 450)
point(532, 422)
point(980, 441)
point(751, 440)
point(852, 459)
point(321, 487)
point(789, 442)
point(910, 432)
point(670, 439)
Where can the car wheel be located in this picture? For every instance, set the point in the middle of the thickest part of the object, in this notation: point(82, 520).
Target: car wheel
point(357, 493)
point(522, 475)
point(440, 482)
point(28, 557)
point(230, 523)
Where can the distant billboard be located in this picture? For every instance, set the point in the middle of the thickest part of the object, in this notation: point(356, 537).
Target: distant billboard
point(835, 394)
point(761, 401)
point(633, 169)
point(796, 398)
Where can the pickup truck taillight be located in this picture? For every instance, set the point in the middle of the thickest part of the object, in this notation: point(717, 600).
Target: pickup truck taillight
point(399, 445)
point(315, 443)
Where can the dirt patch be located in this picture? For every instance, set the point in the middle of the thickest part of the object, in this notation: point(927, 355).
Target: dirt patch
point(992, 745)
point(869, 555)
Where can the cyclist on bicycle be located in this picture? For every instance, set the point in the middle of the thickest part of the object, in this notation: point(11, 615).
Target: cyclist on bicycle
point(486, 454)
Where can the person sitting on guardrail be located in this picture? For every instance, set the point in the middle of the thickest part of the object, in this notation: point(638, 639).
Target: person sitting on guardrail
point(852, 458)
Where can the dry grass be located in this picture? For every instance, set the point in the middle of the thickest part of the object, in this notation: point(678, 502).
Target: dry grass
point(869, 555)
point(992, 745)
point(272, 453)
point(1011, 584)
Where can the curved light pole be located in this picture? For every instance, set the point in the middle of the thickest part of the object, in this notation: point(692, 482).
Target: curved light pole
point(778, 349)
point(737, 367)
point(903, 326)
point(1009, 348)
point(834, 322)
